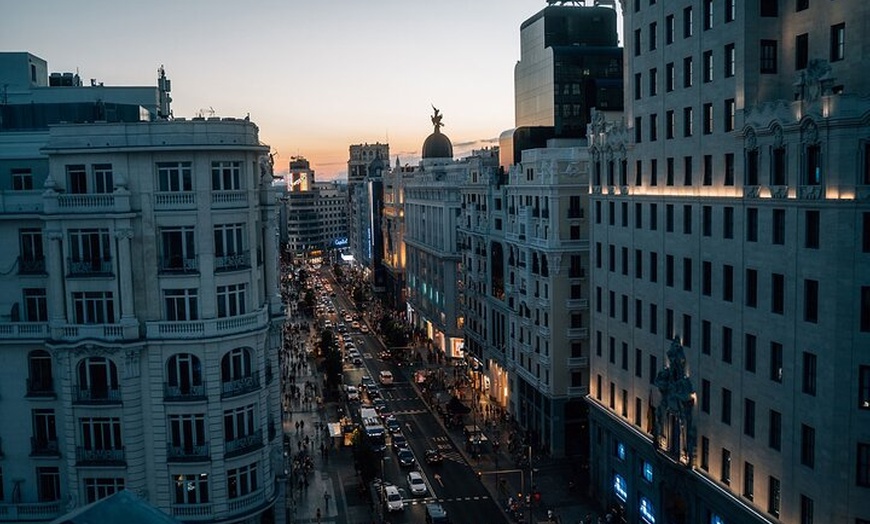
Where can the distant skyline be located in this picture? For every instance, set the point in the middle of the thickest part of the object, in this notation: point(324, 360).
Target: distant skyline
point(315, 76)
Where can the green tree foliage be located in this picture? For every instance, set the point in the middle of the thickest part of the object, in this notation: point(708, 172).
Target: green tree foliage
point(364, 457)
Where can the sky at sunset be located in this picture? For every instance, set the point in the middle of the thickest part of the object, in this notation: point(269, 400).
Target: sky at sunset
point(316, 76)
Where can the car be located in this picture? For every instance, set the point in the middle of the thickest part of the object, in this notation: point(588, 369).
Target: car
point(364, 328)
point(352, 393)
point(386, 378)
point(406, 458)
point(435, 514)
point(433, 456)
point(380, 404)
point(367, 383)
point(393, 425)
point(353, 353)
point(416, 483)
point(357, 362)
point(393, 499)
point(348, 319)
point(399, 442)
point(355, 324)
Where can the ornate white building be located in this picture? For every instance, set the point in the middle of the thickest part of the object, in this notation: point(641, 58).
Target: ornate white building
point(141, 319)
point(731, 214)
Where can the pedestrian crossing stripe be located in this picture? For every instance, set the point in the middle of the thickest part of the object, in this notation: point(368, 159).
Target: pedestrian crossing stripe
point(409, 412)
point(427, 500)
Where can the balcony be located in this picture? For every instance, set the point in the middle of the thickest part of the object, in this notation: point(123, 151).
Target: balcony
point(190, 512)
point(578, 332)
point(44, 448)
point(174, 200)
point(96, 395)
point(24, 330)
point(100, 457)
point(574, 303)
point(54, 202)
point(179, 265)
point(187, 453)
point(88, 268)
point(31, 266)
point(232, 262)
point(234, 388)
point(246, 444)
point(184, 393)
point(32, 511)
point(217, 327)
point(72, 332)
point(229, 199)
point(578, 391)
point(42, 388)
point(247, 502)
point(578, 361)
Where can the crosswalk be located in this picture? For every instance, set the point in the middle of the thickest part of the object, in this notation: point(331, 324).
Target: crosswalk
point(429, 500)
point(442, 443)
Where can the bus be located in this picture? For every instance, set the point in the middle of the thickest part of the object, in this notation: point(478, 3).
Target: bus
point(375, 431)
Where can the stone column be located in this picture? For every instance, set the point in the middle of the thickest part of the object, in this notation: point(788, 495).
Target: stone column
point(270, 262)
point(125, 273)
point(55, 292)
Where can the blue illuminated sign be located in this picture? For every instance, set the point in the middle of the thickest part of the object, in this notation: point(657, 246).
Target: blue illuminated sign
point(647, 514)
point(716, 519)
point(620, 487)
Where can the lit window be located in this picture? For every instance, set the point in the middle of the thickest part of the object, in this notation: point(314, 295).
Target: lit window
point(647, 471)
point(620, 487)
point(647, 513)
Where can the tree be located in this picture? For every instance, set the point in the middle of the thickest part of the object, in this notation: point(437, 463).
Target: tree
point(364, 456)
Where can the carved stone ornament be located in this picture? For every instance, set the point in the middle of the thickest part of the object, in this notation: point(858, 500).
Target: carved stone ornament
point(124, 234)
point(674, 414)
point(131, 364)
point(750, 141)
point(809, 132)
point(777, 137)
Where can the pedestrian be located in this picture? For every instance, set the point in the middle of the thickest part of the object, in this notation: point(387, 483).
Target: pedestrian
point(326, 501)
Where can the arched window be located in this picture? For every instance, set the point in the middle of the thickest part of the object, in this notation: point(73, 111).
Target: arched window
point(40, 379)
point(236, 365)
point(98, 379)
point(184, 373)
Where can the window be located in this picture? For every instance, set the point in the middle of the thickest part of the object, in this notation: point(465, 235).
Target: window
point(706, 278)
point(778, 167)
point(687, 219)
point(653, 127)
point(226, 176)
point(707, 221)
point(236, 365)
point(77, 179)
point(728, 283)
point(669, 218)
point(654, 218)
point(813, 161)
point(802, 5)
point(863, 469)
point(705, 453)
point(706, 330)
point(811, 301)
point(638, 129)
point(187, 436)
point(729, 169)
point(97, 379)
point(768, 57)
point(750, 353)
point(687, 71)
point(653, 82)
point(775, 435)
point(752, 224)
point(773, 497)
point(637, 42)
point(670, 77)
point(670, 29)
point(865, 309)
point(89, 251)
point(190, 488)
point(752, 167)
point(653, 368)
point(705, 395)
point(708, 66)
point(864, 387)
point(93, 307)
point(688, 121)
point(748, 480)
point(239, 423)
point(44, 439)
point(40, 378)
point(808, 446)
point(777, 293)
point(174, 176)
point(669, 270)
point(100, 488)
point(730, 10)
point(708, 14)
point(103, 178)
point(638, 173)
point(751, 288)
point(726, 406)
point(654, 269)
point(22, 179)
point(708, 118)
point(776, 361)
point(229, 247)
point(181, 304)
point(231, 300)
point(47, 484)
point(769, 8)
point(802, 51)
point(669, 176)
point(100, 434)
point(653, 37)
point(687, 22)
point(728, 222)
point(177, 249)
point(838, 42)
point(727, 344)
point(638, 360)
point(810, 366)
point(31, 257)
point(749, 417)
point(726, 466)
point(638, 82)
point(638, 263)
point(778, 226)
point(687, 329)
point(806, 510)
point(35, 305)
point(730, 60)
point(812, 229)
point(730, 111)
point(670, 124)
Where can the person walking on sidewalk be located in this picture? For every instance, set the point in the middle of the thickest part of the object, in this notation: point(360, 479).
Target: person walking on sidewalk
point(326, 501)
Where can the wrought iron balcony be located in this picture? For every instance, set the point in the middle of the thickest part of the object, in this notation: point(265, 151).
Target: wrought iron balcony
point(96, 395)
point(245, 444)
point(44, 448)
point(77, 268)
point(179, 265)
point(187, 453)
point(31, 266)
point(240, 386)
point(188, 393)
point(87, 457)
point(231, 262)
point(40, 388)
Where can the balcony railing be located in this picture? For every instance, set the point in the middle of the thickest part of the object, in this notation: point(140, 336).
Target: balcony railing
point(77, 268)
point(240, 386)
point(17, 330)
point(208, 328)
point(578, 361)
point(247, 502)
point(179, 265)
point(578, 390)
point(578, 332)
point(96, 395)
point(31, 266)
point(187, 453)
point(102, 457)
point(245, 444)
point(71, 332)
point(41, 388)
point(188, 512)
point(172, 200)
point(235, 198)
point(231, 262)
point(30, 511)
point(86, 201)
point(190, 393)
point(44, 448)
